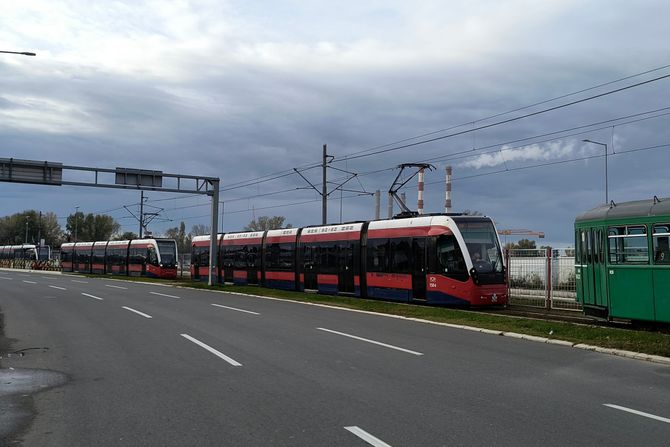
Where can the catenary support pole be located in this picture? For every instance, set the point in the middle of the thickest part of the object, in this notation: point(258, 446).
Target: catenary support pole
point(324, 189)
point(141, 213)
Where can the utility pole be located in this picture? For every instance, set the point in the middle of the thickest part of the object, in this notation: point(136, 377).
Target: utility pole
point(324, 190)
point(324, 187)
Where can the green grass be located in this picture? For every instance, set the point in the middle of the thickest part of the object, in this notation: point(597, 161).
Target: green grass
point(648, 342)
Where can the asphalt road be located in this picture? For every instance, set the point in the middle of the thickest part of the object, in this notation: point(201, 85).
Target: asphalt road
point(154, 365)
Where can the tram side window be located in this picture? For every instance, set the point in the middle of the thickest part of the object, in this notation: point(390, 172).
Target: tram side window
point(228, 257)
point(401, 252)
point(378, 254)
point(65, 256)
point(137, 255)
point(628, 245)
point(662, 244)
point(451, 258)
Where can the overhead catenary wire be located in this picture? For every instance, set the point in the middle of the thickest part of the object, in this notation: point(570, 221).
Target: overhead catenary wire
point(366, 152)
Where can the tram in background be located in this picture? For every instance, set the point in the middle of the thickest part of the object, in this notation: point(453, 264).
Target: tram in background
point(622, 261)
point(155, 258)
point(445, 259)
point(26, 252)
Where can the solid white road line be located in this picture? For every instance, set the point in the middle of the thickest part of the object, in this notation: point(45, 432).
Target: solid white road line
point(29, 282)
point(59, 288)
point(92, 296)
point(371, 341)
point(4, 277)
point(639, 413)
point(163, 294)
point(80, 282)
point(212, 350)
point(49, 277)
point(137, 312)
point(367, 437)
point(116, 287)
point(234, 308)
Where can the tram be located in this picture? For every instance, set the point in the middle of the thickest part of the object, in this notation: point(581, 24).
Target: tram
point(442, 259)
point(155, 258)
point(26, 252)
point(622, 260)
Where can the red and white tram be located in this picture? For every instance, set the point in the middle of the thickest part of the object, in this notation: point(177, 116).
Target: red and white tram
point(155, 258)
point(445, 259)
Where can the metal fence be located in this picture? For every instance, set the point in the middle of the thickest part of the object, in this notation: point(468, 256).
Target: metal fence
point(184, 266)
point(542, 278)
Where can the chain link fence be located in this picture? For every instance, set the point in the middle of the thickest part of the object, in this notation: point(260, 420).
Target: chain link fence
point(542, 277)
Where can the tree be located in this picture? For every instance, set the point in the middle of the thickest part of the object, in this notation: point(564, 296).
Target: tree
point(34, 224)
point(179, 235)
point(92, 227)
point(526, 244)
point(199, 230)
point(126, 236)
point(266, 223)
point(523, 244)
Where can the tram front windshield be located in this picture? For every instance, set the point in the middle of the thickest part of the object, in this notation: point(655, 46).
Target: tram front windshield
point(481, 241)
point(168, 252)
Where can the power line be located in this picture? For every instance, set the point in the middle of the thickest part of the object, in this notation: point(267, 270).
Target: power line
point(513, 110)
point(498, 123)
point(354, 155)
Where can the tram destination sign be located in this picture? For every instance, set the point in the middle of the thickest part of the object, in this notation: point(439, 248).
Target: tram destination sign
point(31, 171)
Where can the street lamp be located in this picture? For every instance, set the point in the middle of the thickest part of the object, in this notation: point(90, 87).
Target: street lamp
point(76, 220)
point(602, 144)
point(23, 53)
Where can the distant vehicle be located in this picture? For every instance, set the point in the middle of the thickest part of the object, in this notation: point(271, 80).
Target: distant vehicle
point(23, 251)
point(137, 257)
point(446, 259)
point(622, 263)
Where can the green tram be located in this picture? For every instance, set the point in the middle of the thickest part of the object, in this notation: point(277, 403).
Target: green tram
point(622, 261)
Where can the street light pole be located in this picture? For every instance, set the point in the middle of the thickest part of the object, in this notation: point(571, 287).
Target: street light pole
point(23, 53)
point(76, 220)
point(605, 145)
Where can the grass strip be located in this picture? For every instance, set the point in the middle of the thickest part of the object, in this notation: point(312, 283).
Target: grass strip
point(648, 342)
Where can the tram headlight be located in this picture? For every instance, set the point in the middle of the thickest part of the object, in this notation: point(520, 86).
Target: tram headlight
point(475, 276)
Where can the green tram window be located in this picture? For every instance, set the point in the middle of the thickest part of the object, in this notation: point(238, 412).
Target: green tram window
point(628, 245)
point(662, 244)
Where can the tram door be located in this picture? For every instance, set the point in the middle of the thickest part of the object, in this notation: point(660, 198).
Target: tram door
point(594, 270)
point(309, 266)
point(253, 261)
point(346, 270)
point(586, 263)
point(418, 267)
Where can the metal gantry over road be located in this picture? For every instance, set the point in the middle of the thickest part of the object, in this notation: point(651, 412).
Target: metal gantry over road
point(51, 173)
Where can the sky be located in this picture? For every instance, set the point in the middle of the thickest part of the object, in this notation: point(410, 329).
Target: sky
point(504, 92)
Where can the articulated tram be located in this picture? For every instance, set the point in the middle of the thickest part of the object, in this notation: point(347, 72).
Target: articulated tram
point(26, 252)
point(155, 258)
point(441, 259)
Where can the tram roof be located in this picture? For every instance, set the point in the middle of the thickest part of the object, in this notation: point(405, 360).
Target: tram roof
point(635, 208)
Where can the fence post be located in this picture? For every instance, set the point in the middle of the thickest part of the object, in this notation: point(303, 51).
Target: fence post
point(548, 255)
point(507, 268)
